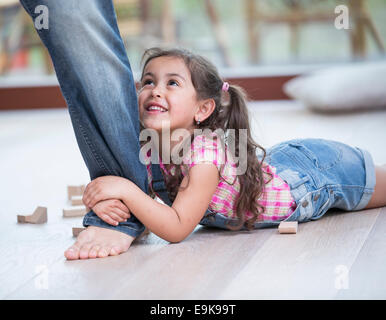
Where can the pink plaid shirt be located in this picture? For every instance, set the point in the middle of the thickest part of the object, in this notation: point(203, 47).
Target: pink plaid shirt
point(276, 197)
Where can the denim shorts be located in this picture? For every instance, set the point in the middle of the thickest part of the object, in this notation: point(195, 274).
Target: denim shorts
point(322, 174)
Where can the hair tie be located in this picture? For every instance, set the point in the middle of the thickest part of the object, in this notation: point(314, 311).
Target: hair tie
point(225, 86)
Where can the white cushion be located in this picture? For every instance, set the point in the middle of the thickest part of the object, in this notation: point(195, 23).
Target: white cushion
point(360, 85)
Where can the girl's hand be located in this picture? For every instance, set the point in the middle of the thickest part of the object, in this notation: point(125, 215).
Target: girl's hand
point(111, 211)
point(103, 188)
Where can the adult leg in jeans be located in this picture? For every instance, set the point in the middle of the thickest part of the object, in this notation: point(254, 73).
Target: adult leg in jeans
point(96, 80)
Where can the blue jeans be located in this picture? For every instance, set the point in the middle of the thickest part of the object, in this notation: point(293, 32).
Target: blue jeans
point(322, 174)
point(96, 80)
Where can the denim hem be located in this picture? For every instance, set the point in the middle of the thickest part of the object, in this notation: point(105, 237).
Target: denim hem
point(370, 180)
point(96, 222)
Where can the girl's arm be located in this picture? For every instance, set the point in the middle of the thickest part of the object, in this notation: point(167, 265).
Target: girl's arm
point(173, 223)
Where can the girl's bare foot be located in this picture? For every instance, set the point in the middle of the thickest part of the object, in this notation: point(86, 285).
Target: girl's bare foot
point(96, 242)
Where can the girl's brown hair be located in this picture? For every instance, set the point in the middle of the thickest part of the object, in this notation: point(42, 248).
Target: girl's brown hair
point(230, 113)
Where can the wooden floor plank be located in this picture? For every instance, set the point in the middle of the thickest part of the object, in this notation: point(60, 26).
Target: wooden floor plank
point(303, 265)
point(28, 252)
point(367, 277)
point(87, 279)
point(197, 268)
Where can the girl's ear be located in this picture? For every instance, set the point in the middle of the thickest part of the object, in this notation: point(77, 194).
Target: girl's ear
point(205, 109)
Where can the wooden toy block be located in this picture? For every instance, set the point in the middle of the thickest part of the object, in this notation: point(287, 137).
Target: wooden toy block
point(76, 200)
point(76, 211)
point(76, 231)
point(288, 227)
point(75, 190)
point(39, 216)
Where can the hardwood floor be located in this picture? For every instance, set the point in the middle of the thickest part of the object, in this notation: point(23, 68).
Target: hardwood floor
point(341, 256)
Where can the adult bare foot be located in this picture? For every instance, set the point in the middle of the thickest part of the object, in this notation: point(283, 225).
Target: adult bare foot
point(96, 242)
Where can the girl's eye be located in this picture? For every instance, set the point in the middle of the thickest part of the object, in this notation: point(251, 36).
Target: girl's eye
point(146, 82)
point(173, 83)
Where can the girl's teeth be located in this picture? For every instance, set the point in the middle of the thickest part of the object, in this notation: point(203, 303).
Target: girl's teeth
point(156, 108)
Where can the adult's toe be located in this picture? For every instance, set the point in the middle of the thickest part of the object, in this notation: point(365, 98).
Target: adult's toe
point(72, 253)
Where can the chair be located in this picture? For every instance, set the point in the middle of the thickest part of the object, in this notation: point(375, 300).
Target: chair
point(297, 14)
point(141, 30)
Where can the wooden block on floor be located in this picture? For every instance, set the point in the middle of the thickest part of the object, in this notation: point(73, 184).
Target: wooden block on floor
point(76, 211)
point(288, 227)
point(21, 219)
point(76, 231)
point(75, 190)
point(76, 200)
point(39, 216)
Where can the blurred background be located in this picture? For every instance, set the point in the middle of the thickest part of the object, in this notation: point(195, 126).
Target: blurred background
point(236, 35)
point(258, 44)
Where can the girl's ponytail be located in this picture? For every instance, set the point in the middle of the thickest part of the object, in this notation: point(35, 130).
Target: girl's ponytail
point(236, 109)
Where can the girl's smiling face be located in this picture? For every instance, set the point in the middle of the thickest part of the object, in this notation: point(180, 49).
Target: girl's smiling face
point(167, 94)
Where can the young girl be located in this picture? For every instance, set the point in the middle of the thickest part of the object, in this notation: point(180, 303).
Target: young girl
point(297, 180)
